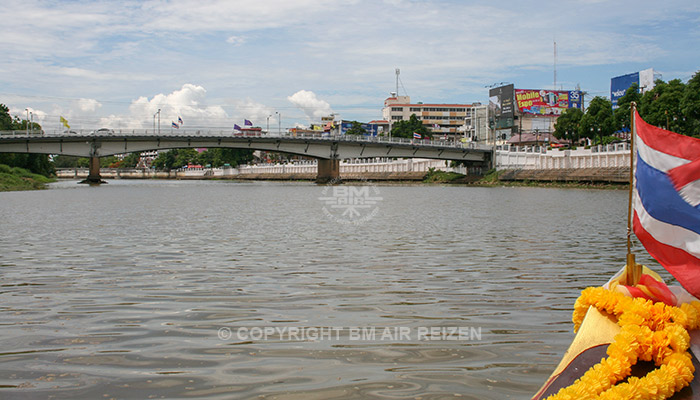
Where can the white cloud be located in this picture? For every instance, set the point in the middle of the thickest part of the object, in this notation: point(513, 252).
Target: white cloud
point(189, 103)
point(313, 107)
point(89, 105)
point(235, 40)
point(255, 112)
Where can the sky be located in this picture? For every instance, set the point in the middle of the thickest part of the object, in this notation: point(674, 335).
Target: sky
point(290, 62)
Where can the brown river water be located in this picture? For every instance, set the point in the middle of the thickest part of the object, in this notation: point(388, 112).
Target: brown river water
point(227, 290)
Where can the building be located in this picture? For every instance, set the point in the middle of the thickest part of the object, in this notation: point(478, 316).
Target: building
point(442, 119)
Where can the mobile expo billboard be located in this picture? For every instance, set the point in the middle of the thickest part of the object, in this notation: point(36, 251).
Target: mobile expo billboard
point(619, 84)
point(547, 102)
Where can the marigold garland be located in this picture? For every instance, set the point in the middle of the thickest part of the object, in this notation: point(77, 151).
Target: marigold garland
point(650, 332)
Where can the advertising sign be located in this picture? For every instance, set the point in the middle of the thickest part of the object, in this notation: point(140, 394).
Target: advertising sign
point(620, 84)
point(371, 129)
point(501, 106)
point(547, 102)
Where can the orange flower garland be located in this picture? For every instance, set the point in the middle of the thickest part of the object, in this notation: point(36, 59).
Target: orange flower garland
point(649, 331)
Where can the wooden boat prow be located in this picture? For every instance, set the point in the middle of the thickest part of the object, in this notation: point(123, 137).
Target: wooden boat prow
point(590, 345)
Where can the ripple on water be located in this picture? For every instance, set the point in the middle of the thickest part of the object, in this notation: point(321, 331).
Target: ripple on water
point(120, 290)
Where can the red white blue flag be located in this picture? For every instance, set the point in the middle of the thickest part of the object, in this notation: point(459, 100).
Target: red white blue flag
point(246, 122)
point(174, 125)
point(416, 135)
point(236, 127)
point(179, 120)
point(667, 200)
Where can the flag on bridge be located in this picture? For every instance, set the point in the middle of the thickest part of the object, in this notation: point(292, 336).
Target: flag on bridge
point(176, 126)
point(417, 135)
point(667, 200)
point(65, 123)
point(246, 122)
point(236, 127)
point(179, 120)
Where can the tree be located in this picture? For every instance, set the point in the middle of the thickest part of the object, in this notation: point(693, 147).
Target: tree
point(567, 124)
point(131, 160)
point(356, 129)
point(598, 120)
point(690, 105)
point(37, 163)
point(5, 118)
point(406, 129)
point(661, 106)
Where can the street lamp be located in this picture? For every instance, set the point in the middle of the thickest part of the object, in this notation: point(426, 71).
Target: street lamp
point(31, 119)
point(279, 123)
point(268, 124)
point(154, 121)
point(27, 110)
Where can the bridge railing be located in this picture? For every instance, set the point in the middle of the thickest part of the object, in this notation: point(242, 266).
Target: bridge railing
point(208, 133)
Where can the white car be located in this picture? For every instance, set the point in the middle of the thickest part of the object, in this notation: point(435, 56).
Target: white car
point(102, 131)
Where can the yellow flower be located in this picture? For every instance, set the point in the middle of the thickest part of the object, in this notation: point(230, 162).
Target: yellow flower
point(649, 331)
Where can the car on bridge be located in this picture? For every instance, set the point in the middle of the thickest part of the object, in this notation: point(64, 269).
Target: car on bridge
point(103, 131)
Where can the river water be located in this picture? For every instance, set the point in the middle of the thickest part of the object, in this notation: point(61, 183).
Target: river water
point(227, 290)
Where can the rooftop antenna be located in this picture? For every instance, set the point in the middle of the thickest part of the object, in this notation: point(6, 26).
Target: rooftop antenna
point(398, 71)
point(555, 64)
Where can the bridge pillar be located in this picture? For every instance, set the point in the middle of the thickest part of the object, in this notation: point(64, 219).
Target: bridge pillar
point(94, 172)
point(328, 170)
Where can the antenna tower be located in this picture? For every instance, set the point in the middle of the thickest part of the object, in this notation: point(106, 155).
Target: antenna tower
point(555, 65)
point(398, 71)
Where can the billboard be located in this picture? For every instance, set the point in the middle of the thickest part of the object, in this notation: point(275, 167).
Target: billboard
point(371, 129)
point(501, 106)
point(619, 84)
point(547, 102)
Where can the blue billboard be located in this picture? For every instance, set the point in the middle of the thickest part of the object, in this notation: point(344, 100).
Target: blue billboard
point(620, 84)
point(371, 129)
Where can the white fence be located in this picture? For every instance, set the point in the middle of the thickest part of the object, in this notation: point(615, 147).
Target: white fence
point(351, 167)
point(610, 156)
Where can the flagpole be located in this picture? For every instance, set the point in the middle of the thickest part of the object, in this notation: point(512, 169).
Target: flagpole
point(633, 271)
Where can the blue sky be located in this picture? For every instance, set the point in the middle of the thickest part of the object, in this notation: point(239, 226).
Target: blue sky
point(214, 63)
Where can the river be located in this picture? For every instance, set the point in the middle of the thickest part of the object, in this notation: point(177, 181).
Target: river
point(226, 290)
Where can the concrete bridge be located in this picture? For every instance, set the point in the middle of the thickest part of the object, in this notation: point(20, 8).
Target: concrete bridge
point(329, 150)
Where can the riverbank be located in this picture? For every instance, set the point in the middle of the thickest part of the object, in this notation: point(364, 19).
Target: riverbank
point(599, 179)
point(13, 179)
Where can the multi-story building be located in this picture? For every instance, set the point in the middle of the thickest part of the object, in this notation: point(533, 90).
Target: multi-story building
point(441, 119)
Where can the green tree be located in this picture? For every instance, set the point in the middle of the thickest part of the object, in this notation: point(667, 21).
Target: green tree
point(662, 106)
point(131, 160)
point(5, 118)
point(165, 160)
point(598, 120)
point(690, 105)
point(36, 163)
point(567, 124)
point(356, 129)
point(406, 128)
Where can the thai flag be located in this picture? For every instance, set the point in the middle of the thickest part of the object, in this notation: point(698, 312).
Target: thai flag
point(236, 127)
point(176, 125)
point(246, 122)
point(667, 201)
point(416, 135)
point(179, 120)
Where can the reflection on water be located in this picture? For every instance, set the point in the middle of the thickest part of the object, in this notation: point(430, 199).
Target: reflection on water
point(121, 290)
